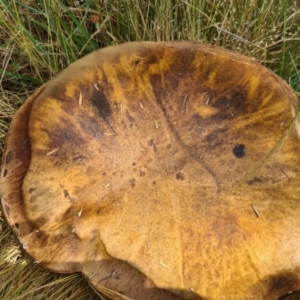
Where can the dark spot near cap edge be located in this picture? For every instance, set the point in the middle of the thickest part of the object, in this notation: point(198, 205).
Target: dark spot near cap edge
point(283, 282)
point(5, 173)
point(290, 295)
point(9, 157)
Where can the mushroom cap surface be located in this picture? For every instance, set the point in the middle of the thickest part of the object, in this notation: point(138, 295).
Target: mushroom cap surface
point(166, 170)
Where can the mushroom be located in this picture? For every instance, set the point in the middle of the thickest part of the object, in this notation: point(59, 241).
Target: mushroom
point(166, 170)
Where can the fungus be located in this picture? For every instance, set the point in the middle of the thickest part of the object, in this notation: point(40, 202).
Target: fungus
point(160, 171)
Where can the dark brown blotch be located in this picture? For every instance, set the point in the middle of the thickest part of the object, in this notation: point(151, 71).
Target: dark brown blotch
point(9, 157)
point(283, 282)
point(101, 102)
point(39, 222)
point(132, 183)
point(179, 176)
point(90, 126)
point(66, 194)
point(63, 132)
point(71, 213)
point(142, 173)
point(217, 137)
point(41, 237)
point(69, 197)
point(181, 66)
point(151, 143)
point(31, 190)
point(233, 105)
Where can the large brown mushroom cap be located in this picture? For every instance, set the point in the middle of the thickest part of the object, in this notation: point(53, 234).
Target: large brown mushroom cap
point(160, 171)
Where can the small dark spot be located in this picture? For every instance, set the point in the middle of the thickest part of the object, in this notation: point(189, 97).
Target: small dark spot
point(154, 182)
point(132, 183)
point(5, 173)
point(152, 144)
point(9, 156)
point(142, 173)
point(17, 225)
point(69, 197)
point(239, 151)
point(134, 163)
point(31, 190)
point(179, 176)
point(104, 174)
point(168, 146)
point(66, 193)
